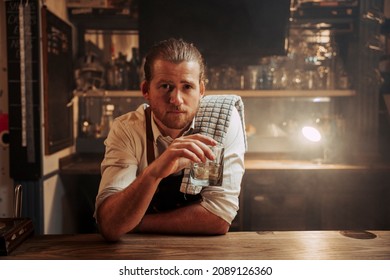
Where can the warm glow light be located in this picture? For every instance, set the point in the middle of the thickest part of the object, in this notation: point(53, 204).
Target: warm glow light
point(311, 133)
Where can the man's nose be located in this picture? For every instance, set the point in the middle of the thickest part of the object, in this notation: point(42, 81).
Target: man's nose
point(176, 97)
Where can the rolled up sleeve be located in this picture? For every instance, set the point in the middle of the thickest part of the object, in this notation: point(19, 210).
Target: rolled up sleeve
point(119, 166)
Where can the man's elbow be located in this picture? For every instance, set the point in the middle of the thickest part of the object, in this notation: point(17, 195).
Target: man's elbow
point(220, 228)
point(108, 235)
point(108, 230)
point(223, 230)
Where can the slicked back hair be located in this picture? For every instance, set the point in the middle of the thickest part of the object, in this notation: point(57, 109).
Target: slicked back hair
point(175, 51)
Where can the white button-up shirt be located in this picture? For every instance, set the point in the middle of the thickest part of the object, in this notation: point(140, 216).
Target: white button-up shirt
point(126, 157)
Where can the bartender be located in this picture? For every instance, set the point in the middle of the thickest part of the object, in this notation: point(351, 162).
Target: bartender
point(144, 185)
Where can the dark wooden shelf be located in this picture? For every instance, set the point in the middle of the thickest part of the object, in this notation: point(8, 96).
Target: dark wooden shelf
point(242, 93)
point(81, 164)
point(104, 19)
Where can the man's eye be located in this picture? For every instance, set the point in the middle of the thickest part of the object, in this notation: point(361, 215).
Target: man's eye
point(166, 86)
point(187, 87)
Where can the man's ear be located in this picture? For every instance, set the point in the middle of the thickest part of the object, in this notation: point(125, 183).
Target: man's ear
point(202, 88)
point(145, 89)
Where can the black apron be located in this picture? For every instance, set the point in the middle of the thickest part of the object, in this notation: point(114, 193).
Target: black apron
point(168, 195)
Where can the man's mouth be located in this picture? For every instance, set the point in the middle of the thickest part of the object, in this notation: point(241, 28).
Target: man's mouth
point(176, 111)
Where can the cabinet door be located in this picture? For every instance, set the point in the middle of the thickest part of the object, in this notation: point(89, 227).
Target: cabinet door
point(355, 200)
point(276, 201)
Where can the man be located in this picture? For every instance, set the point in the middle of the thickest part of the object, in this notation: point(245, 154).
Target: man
point(148, 150)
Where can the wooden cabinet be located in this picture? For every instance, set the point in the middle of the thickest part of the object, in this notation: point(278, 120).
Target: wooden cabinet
point(354, 200)
point(274, 201)
point(315, 199)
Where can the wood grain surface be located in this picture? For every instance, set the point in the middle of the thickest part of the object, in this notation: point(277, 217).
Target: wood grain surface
point(280, 245)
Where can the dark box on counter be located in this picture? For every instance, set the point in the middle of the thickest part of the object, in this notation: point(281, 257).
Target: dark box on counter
point(13, 231)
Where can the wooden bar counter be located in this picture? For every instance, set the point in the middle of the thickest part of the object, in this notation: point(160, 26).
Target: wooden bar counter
point(269, 245)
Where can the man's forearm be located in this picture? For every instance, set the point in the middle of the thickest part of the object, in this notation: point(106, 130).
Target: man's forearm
point(122, 211)
point(192, 219)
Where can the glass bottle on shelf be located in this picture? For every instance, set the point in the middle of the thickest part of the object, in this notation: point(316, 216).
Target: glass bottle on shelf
point(123, 78)
point(134, 70)
point(112, 72)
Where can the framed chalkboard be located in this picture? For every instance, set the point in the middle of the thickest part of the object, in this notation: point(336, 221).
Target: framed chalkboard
point(58, 82)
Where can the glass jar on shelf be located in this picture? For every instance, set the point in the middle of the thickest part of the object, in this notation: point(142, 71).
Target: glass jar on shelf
point(106, 120)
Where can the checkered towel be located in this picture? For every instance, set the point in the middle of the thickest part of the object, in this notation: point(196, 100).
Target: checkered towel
point(213, 119)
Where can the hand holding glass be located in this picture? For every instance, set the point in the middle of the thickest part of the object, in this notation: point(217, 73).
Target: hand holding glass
point(209, 173)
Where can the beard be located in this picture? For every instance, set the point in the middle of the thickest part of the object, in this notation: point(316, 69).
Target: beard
point(169, 117)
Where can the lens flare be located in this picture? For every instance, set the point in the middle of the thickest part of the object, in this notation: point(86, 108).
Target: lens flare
point(311, 133)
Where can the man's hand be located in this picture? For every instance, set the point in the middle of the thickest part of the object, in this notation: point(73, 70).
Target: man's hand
point(180, 154)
